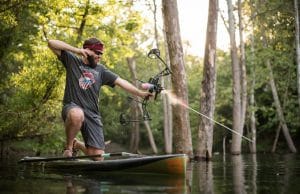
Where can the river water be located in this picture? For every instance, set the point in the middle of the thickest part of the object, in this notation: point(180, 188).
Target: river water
point(261, 173)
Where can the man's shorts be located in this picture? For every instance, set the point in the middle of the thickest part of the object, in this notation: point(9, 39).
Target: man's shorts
point(91, 129)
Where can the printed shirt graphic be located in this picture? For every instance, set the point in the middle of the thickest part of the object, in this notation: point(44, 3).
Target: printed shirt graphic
point(86, 80)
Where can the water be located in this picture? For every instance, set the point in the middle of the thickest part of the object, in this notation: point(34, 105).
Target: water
point(262, 173)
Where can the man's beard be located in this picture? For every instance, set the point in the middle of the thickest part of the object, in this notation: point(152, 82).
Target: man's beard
point(91, 61)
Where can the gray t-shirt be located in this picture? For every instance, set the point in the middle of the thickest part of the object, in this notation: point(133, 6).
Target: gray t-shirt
point(83, 83)
point(82, 90)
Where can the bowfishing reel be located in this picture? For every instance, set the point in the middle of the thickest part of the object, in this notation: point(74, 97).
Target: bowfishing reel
point(153, 85)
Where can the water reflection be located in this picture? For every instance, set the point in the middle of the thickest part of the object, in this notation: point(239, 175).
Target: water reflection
point(103, 182)
point(80, 185)
point(253, 171)
point(205, 178)
point(238, 177)
point(122, 183)
point(70, 184)
point(263, 173)
point(287, 172)
point(202, 176)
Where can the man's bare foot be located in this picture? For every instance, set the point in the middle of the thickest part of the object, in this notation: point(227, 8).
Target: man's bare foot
point(67, 153)
point(78, 145)
point(75, 149)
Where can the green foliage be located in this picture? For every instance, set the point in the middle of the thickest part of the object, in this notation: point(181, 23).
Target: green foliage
point(275, 21)
point(194, 68)
point(32, 79)
point(33, 107)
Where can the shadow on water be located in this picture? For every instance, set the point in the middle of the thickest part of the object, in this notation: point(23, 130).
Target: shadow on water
point(262, 173)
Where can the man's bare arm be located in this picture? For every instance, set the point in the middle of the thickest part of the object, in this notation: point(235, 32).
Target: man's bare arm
point(57, 46)
point(127, 86)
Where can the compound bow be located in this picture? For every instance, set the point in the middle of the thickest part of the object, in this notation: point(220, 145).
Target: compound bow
point(153, 85)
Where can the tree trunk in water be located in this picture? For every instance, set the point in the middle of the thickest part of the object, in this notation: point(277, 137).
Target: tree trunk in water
point(168, 121)
point(135, 131)
point(276, 139)
point(280, 115)
point(168, 128)
point(252, 145)
point(297, 35)
point(149, 131)
point(135, 137)
point(135, 134)
point(182, 132)
point(279, 126)
point(243, 68)
point(165, 100)
point(208, 90)
point(236, 89)
point(277, 103)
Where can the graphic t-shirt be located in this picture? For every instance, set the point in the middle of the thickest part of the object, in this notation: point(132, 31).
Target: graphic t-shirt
point(83, 83)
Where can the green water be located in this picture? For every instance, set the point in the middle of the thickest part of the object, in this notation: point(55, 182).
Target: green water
point(262, 173)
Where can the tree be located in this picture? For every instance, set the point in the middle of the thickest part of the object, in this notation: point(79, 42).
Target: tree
point(18, 24)
point(208, 89)
point(297, 37)
point(167, 112)
point(136, 111)
point(182, 132)
point(252, 145)
point(273, 40)
point(243, 67)
point(33, 75)
point(135, 130)
point(279, 109)
point(236, 88)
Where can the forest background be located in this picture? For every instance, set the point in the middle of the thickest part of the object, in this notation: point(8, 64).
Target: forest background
point(32, 79)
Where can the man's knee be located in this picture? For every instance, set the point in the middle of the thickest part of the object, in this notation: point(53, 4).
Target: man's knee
point(75, 115)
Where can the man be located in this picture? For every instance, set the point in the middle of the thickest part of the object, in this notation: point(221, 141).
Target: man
point(84, 78)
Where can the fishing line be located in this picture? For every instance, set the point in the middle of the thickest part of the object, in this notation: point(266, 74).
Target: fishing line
point(233, 131)
point(175, 100)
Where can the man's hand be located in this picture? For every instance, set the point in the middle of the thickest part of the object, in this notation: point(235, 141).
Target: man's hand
point(145, 94)
point(84, 52)
point(132, 89)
